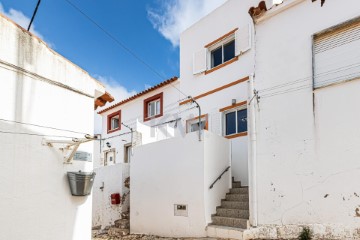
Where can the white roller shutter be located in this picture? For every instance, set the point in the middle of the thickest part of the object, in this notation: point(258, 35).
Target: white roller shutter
point(243, 39)
point(337, 55)
point(199, 61)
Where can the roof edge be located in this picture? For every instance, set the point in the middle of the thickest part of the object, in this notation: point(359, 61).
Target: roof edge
point(2, 15)
point(151, 89)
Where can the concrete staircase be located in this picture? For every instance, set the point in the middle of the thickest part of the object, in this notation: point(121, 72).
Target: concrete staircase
point(232, 217)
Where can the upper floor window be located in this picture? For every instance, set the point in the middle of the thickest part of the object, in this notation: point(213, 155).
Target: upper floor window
point(114, 122)
point(222, 51)
point(153, 107)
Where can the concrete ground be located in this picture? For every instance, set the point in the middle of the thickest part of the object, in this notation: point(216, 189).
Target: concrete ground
point(144, 237)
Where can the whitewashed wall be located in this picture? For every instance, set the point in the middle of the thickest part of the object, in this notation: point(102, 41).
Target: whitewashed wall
point(161, 176)
point(307, 148)
point(36, 202)
point(109, 180)
point(194, 39)
point(216, 159)
point(132, 115)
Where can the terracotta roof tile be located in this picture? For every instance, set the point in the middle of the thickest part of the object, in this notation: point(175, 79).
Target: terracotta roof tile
point(162, 84)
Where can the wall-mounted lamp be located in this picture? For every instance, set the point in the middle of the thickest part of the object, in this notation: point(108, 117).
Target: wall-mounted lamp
point(233, 101)
point(108, 145)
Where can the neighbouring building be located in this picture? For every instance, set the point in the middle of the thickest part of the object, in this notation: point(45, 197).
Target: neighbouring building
point(149, 116)
point(46, 127)
point(307, 75)
point(277, 83)
point(166, 155)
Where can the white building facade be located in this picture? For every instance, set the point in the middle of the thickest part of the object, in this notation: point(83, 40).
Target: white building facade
point(279, 80)
point(46, 98)
point(307, 74)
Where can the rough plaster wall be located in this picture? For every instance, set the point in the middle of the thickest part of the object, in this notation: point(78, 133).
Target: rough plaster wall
point(111, 178)
point(307, 168)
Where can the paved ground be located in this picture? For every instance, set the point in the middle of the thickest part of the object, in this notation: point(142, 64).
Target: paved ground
point(145, 237)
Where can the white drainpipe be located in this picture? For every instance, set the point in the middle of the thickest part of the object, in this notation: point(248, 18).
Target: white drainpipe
point(252, 155)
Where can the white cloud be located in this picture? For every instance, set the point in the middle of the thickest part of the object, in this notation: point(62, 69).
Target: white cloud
point(175, 16)
point(23, 21)
point(117, 91)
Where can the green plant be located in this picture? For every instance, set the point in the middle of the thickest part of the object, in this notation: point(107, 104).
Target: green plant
point(306, 234)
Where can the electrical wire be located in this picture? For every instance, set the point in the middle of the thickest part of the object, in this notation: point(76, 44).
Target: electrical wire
point(118, 135)
point(34, 14)
point(309, 78)
point(310, 85)
point(41, 126)
point(122, 45)
point(35, 134)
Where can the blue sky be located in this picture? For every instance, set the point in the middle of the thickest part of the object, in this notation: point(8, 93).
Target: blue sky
point(140, 25)
point(150, 28)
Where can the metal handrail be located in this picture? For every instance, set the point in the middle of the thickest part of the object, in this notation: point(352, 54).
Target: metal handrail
point(212, 185)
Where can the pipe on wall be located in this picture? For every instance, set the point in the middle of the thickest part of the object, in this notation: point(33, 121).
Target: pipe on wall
point(252, 155)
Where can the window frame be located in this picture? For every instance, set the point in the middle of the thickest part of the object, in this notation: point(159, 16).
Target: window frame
point(127, 154)
point(160, 97)
point(110, 151)
point(109, 117)
point(236, 134)
point(191, 121)
point(221, 45)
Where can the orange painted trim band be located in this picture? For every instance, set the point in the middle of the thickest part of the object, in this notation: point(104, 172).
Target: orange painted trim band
point(222, 65)
point(233, 106)
point(216, 90)
point(237, 135)
point(221, 38)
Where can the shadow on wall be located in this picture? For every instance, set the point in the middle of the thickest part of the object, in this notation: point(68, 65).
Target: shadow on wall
point(34, 189)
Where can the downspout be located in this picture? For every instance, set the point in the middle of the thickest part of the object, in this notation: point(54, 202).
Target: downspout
point(198, 106)
point(252, 155)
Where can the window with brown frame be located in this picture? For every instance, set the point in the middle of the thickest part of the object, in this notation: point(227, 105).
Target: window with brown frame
point(114, 122)
point(153, 107)
point(193, 125)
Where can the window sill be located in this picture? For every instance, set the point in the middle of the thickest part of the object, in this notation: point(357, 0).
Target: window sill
point(153, 117)
point(113, 130)
point(242, 134)
point(222, 65)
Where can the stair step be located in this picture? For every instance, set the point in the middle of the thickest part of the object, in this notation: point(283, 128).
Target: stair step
point(224, 232)
point(236, 184)
point(242, 190)
point(234, 205)
point(234, 213)
point(237, 197)
point(230, 222)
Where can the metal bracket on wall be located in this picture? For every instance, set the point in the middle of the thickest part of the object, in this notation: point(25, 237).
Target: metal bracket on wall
point(68, 147)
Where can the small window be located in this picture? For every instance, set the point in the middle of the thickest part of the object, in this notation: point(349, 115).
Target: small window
point(127, 153)
point(114, 122)
point(153, 107)
point(235, 122)
point(223, 53)
point(192, 125)
point(109, 158)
